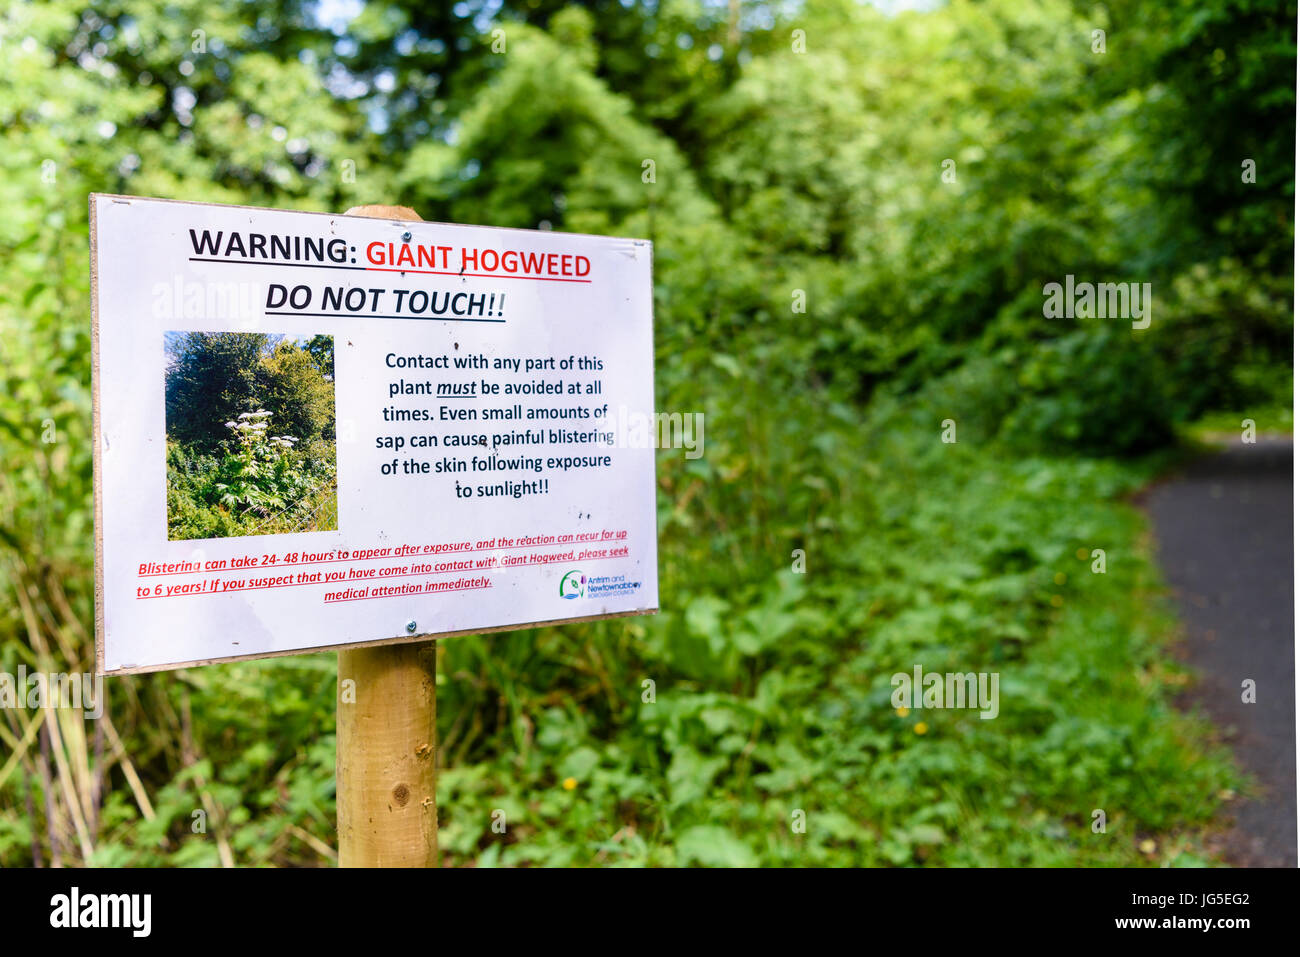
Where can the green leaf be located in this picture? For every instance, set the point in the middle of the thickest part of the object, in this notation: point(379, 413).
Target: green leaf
point(711, 846)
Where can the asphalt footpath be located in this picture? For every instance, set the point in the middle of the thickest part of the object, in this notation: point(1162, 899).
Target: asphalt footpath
point(1223, 530)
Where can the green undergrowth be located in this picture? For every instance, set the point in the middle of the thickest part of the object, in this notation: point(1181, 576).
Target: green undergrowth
point(750, 721)
point(771, 691)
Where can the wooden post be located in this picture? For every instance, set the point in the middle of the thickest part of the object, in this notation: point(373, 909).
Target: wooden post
point(386, 769)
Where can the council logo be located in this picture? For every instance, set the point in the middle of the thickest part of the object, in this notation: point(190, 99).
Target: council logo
point(573, 584)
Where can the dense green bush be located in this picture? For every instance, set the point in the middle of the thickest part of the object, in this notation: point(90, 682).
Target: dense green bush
point(1092, 391)
point(257, 484)
point(1224, 327)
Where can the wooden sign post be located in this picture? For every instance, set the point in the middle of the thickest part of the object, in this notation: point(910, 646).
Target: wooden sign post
point(386, 767)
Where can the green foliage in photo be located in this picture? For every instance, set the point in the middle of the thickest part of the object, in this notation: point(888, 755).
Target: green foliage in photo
point(250, 429)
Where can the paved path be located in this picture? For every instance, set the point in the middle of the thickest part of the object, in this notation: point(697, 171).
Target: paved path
point(1224, 538)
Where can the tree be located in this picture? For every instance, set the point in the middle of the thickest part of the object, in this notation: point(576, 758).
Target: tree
point(291, 387)
point(213, 377)
point(321, 350)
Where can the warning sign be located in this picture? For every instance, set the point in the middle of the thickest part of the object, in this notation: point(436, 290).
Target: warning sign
point(321, 430)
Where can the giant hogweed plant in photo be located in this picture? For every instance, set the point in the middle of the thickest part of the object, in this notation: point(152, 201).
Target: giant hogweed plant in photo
point(262, 484)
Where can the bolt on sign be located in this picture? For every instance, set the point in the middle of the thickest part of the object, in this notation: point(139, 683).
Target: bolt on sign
point(316, 431)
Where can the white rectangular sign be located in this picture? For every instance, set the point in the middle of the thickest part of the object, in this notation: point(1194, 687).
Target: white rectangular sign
point(319, 430)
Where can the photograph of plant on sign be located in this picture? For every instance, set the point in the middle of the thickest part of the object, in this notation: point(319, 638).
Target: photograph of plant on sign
point(250, 435)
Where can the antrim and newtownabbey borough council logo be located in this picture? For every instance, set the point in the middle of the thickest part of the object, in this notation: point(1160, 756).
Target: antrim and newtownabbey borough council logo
point(573, 584)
